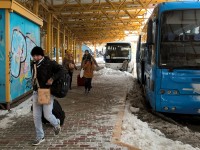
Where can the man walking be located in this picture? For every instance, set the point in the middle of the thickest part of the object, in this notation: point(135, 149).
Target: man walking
point(47, 72)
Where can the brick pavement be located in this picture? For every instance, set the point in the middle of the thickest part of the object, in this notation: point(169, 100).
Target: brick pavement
point(89, 122)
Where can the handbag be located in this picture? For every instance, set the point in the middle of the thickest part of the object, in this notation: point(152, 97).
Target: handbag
point(44, 95)
point(81, 73)
point(71, 66)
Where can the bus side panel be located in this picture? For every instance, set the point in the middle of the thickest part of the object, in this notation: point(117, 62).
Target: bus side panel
point(157, 91)
point(150, 85)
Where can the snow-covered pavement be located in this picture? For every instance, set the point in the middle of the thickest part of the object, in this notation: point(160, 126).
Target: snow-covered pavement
point(8, 116)
point(149, 132)
point(90, 119)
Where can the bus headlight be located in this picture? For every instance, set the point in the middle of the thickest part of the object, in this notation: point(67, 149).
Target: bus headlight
point(166, 108)
point(169, 92)
point(162, 91)
point(175, 92)
point(173, 108)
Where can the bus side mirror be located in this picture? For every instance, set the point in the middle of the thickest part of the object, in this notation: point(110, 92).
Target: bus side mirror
point(150, 33)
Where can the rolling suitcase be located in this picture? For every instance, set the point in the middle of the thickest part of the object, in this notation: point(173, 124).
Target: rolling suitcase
point(80, 81)
point(57, 111)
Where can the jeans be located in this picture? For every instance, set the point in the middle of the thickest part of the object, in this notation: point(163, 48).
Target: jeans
point(37, 115)
point(88, 82)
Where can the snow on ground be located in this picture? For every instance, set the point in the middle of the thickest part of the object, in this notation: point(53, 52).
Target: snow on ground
point(148, 132)
point(149, 135)
point(140, 135)
point(100, 60)
point(8, 119)
point(124, 79)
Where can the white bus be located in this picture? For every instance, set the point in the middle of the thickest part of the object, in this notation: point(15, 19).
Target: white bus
point(116, 54)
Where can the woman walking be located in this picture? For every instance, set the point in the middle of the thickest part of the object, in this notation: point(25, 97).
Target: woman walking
point(88, 66)
point(69, 64)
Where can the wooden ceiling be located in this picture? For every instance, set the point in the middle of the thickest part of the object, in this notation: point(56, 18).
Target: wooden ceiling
point(97, 21)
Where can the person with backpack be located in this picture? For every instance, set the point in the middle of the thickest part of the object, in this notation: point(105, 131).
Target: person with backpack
point(88, 66)
point(45, 72)
point(69, 64)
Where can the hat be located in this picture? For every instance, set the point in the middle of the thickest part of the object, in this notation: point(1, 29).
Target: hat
point(37, 51)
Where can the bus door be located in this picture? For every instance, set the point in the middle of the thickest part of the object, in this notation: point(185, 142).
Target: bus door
point(150, 65)
point(140, 60)
point(149, 83)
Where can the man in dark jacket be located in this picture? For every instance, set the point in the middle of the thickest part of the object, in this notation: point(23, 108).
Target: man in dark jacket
point(47, 72)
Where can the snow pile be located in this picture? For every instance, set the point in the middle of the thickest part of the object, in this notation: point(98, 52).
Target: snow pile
point(100, 60)
point(109, 72)
point(3, 112)
point(134, 109)
point(22, 109)
point(139, 134)
point(123, 79)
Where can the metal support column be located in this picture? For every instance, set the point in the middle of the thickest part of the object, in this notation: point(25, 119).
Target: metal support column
point(36, 7)
point(7, 47)
point(71, 43)
point(52, 41)
point(49, 38)
point(63, 46)
point(68, 42)
point(74, 50)
point(58, 42)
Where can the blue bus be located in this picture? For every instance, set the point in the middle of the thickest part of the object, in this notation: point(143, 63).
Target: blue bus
point(168, 58)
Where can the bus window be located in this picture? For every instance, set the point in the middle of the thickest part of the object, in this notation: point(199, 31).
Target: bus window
point(118, 52)
point(180, 45)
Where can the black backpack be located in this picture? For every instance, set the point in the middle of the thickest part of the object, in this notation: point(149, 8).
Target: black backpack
point(60, 87)
point(57, 112)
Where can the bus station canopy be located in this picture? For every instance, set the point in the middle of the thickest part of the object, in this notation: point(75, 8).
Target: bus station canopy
point(96, 20)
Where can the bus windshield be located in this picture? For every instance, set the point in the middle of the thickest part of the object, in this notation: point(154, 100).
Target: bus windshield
point(180, 39)
point(117, 52)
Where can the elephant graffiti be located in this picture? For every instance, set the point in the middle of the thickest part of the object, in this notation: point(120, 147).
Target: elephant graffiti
point(20, 57)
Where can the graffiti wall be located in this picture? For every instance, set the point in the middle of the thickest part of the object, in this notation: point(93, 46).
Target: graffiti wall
point(2, 55)
point(24, 35)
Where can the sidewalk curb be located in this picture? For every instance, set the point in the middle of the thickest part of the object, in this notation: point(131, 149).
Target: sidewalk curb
point(118, 126)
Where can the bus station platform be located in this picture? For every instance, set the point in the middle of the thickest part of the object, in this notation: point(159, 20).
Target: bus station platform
point(89, 124)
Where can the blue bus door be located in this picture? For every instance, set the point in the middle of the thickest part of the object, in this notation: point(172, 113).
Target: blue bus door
point(149, 84)
point(150, 65)
point(140, 61)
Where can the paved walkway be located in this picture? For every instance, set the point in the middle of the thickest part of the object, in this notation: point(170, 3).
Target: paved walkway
point(89, 122)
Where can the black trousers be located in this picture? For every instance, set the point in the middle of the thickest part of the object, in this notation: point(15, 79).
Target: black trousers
point(70, 74)
point(88, 82)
